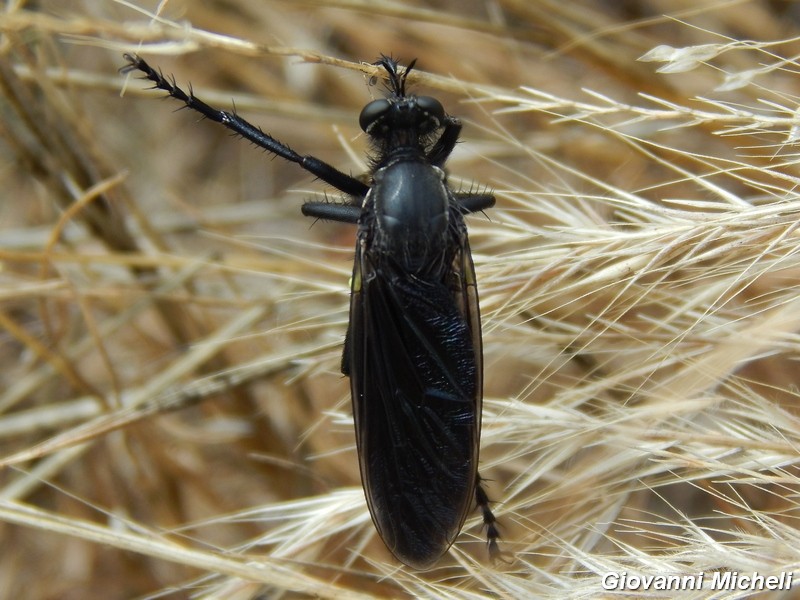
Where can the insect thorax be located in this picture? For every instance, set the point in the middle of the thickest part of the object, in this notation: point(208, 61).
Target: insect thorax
point(410, 203)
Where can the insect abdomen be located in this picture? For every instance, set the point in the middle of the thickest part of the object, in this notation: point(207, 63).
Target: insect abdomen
point(415, 382)
point(417, 424)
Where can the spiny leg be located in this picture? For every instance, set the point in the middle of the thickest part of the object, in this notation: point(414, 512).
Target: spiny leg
point(489, 521)
point(470, 202)
point(332, 211)
point(341, 181)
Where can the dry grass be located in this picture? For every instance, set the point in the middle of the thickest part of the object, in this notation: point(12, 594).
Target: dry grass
point(172, 326)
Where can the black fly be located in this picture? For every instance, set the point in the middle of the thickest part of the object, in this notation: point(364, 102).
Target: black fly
point(413, 349)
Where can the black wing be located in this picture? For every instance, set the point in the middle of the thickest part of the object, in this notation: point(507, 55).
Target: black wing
point(414, 348)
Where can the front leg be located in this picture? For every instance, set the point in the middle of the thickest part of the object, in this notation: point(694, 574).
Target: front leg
point(446, 142)
point(329, 174)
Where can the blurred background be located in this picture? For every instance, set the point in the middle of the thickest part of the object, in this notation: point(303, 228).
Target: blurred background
point(173, 421)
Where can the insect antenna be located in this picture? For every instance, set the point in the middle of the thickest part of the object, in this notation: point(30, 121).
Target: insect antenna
point(397, 81)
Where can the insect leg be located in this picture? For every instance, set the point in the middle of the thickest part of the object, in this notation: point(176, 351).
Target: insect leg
point(489, 521)
point(469, 202)
point(328, 174)
point(331, 211)
point(446, 142)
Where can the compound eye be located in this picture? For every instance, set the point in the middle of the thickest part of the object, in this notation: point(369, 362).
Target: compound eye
point(372, 112)
point(431, 106)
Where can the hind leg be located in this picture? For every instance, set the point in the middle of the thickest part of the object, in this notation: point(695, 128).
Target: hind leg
point(489, 521)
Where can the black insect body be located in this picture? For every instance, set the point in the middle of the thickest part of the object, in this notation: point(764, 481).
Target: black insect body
point(413, 348)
